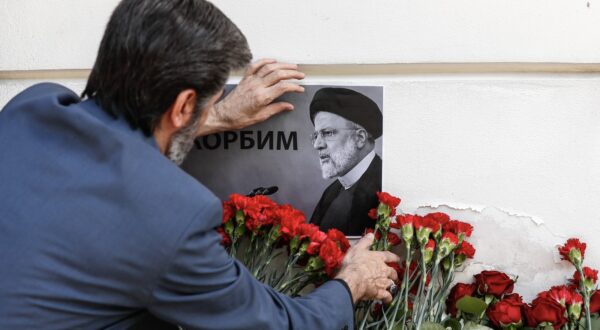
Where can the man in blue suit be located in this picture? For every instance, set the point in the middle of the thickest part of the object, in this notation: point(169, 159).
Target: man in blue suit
point(98, 229)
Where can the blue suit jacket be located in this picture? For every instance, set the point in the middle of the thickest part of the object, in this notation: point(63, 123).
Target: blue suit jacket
point(97, 229)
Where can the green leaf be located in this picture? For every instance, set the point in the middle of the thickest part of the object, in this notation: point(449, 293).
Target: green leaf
point(294, 244)
point(475, 326)
point(432, 326)
point(240, 217)
point(229, 227)
point(314, 263)
point(239, 232)
point(454, 324)
point(471, 305)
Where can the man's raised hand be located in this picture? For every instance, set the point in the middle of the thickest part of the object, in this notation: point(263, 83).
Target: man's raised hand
point(251, 101)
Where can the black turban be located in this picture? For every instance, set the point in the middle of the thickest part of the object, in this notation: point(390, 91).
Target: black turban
point(349, 104)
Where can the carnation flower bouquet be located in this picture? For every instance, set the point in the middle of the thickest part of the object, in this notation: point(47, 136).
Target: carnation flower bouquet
point(490, 299)
point(432, 246)
point(257, 231)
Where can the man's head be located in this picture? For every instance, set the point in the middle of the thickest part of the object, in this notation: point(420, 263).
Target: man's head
point(153, 50)
point(346, 126)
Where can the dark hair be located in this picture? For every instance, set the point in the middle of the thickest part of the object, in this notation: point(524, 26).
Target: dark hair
point(154, 49)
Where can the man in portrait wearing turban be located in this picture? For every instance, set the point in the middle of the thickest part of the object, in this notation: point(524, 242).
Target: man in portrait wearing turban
point(347, 123)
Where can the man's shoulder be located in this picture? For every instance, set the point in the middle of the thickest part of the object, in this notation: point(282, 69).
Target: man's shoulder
point(49, 129)
point(42, 94)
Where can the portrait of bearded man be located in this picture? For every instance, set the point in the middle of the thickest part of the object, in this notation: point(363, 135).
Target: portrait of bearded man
point(346, 125)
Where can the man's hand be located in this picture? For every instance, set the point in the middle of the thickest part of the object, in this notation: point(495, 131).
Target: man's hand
point(366, 273)
point(251, 101)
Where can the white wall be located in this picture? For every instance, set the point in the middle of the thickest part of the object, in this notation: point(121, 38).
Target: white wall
point(516, 154)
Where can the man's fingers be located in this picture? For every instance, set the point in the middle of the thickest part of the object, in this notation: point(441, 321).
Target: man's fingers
point(385, 296)
point(267, 68)
point(254, 67)
point(392, 274)
point(275, 108)
point(365, 242)
point(279, 75)
point(283, 87)
point(389, 256)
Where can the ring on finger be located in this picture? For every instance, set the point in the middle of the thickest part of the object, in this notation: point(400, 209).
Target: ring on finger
point(393, 289)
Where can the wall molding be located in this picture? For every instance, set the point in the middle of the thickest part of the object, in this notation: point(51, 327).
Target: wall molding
point(364, 69)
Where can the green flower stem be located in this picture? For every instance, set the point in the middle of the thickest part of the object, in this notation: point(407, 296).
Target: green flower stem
point(442, 293)
point(419, 306)
point(292, 260)
point(405, 283)
point(429, 294)
point(366, 316)
point(289, 283)
point(375, 242)
point(586, 298)
point(233, 248)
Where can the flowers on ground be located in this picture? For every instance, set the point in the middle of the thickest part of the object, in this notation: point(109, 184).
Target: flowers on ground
point(256, 230)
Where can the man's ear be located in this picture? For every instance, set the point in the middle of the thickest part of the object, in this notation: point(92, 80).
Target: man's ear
point(361, 137)
point(182, 108)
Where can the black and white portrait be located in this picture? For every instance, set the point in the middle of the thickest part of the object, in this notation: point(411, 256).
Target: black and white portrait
point(325, 156)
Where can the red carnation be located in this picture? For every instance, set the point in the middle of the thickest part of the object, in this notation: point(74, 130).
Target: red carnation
point(393, 239)
point(404, 220)
point(430, 245)
point(491, 282)
point(439, 217)
point(405, 224)
point(428, 251)
point(465, 249)
point(458, 291)
point(573, 251)
point(228, 211)
point(317, 238)
point(595, 302)
point(576, 298)
point(258, 210)
point(389, 200)
point(560, 294)
point(225, 239)
point(450, 238)
point(590, 277)
point(263, 201)
point(546, 310)
point(448, 243)
point(290, 219)
point(505, 312)
point(331, 255)
point(305, 230)
point(426, 223)
point(373, 213)
point(339, 238)
point(240, 201)
point(461, 229)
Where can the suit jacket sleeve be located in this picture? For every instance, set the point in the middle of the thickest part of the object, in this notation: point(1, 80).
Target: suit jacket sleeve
point(203, 288)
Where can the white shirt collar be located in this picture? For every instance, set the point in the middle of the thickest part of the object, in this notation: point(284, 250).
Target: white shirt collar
point(350, 178)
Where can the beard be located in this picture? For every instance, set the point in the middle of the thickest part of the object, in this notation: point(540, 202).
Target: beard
point(339, 162)
point(183, 140)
